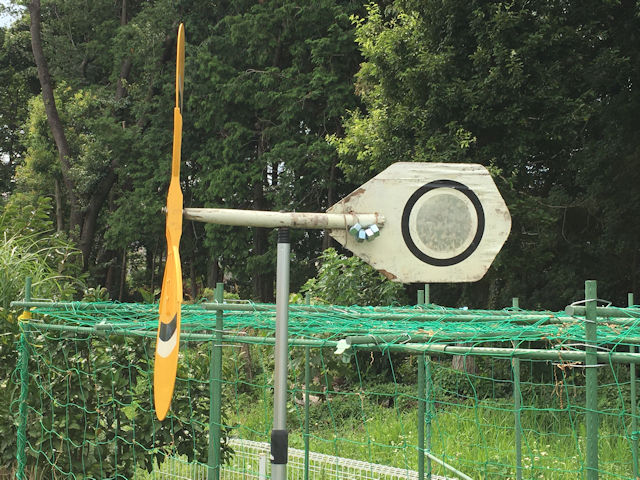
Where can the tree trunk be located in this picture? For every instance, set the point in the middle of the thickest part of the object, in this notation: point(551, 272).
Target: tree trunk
point(327, 241)
point(213, 274)
point(90, 222)
point(151, 266)
point(123, 274)
point(463, 363)
point(59, 207)
point(108, 280)
point(245, 352)
point(634, 267)
point(193, 278)
point(262, 281)
point(125, 68)
point(168, 49)
point(53, 118)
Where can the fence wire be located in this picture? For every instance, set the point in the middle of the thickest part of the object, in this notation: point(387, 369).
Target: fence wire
point(489, 394)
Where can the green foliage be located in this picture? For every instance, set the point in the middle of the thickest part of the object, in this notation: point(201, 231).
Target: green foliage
point(264, 85)
point(102, 388)
point(268, 82)
point(471, 419)
point(97, 294)
point(542, 93)
point(343, 280)
point(105, 61)
point(103, 405)
point(28, 248)
point(149, 296)
point(95, 139)
point(19, 84)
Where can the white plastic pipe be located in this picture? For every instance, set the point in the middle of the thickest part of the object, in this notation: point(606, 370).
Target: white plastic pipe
point(260, 218)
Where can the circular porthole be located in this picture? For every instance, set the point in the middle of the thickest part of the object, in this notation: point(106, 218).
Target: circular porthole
point(443, 223)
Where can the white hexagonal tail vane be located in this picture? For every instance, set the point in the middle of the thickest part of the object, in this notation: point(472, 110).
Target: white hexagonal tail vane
point(444, 222)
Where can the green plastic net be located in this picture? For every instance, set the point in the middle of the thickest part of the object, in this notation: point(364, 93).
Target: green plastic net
point(432, 391)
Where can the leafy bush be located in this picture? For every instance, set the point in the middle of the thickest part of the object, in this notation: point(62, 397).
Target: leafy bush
point(343, 280)
point(28, 248)
point(101, 419)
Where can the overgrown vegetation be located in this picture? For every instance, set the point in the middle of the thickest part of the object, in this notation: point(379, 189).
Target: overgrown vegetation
point(343, 280)
point(28, 248)
point(101, 410)
point(472, 416)
point(291, 106)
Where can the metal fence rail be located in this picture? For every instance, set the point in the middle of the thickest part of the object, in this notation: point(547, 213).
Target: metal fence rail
point(251, 462)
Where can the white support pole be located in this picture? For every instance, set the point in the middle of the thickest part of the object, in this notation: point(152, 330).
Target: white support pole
point(259, 218)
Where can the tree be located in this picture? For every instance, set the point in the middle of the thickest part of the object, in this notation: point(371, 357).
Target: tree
point(83, 201)
point(266, 83)
point(19, 82)
point(541, 93)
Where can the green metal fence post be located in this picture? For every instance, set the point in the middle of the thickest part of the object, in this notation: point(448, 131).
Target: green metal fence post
point(634, 406)
point(591, 364)
point(23, 362)
point(420, 297)
point(517, 398)
point(27, 289)
point(307, 382)
point(422, 405)
point(427, 296)
point(21, 456)
point(215, 389)
point(427, 395)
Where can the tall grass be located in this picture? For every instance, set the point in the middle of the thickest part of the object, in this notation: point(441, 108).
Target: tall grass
point(34, 256)
point(477, 439)
point(30, 247)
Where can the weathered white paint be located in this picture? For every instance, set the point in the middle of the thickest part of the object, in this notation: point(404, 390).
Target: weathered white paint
point(388, 194)
point(259, 218)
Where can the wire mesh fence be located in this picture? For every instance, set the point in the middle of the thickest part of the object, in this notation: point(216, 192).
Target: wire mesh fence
point(250, 461)
point(441, 392)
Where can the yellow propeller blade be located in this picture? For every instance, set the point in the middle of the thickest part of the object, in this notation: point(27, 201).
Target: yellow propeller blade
point(180, 67)
point(168, 338)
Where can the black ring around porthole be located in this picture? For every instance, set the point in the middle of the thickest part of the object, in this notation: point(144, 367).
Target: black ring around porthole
point(470, 194)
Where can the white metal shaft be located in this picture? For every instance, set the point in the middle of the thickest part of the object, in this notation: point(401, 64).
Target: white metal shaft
point(282, 337)
point(279, 467)
point(260, 218)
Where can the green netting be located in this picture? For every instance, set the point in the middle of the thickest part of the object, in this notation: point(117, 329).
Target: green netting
point(404, 380)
